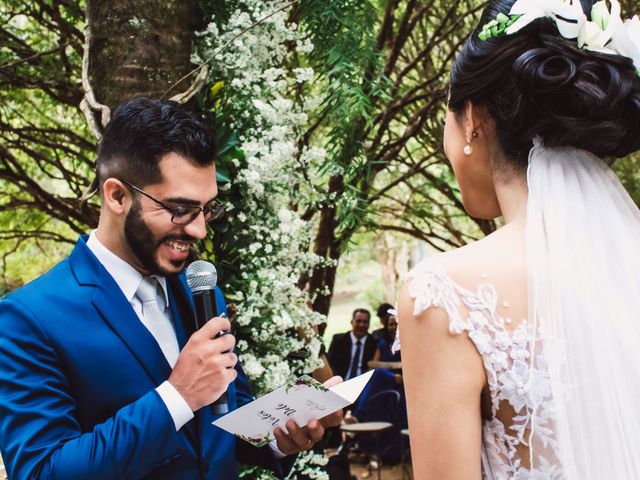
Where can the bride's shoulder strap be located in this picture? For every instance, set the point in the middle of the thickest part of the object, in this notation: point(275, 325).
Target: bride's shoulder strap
point(429, 285)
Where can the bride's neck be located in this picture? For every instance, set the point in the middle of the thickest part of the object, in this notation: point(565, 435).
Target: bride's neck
point(512, 197)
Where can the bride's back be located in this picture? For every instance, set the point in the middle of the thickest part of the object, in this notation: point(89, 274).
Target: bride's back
point(482, 289)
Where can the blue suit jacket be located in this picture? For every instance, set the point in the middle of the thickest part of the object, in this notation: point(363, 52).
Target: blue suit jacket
point(78, 373)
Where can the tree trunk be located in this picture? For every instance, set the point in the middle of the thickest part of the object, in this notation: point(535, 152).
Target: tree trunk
point(327, 245)
point(139, 47)
point(393, 257)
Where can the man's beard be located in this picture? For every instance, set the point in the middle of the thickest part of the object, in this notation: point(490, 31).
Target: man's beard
point(144, 244)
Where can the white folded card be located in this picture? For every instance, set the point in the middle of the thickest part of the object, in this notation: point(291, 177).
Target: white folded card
point(302, 400)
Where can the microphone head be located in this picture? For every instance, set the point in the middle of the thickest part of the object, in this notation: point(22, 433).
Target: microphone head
point(201, 276)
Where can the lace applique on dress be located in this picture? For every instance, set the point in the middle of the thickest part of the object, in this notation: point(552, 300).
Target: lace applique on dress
point(512, 376)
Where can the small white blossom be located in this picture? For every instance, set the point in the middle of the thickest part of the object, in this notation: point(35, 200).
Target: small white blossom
point(251, 365)
point(303, 74)
point(285, 215)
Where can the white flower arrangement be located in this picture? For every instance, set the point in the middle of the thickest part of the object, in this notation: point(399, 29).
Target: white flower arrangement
point(606, 32)
point(269, 117)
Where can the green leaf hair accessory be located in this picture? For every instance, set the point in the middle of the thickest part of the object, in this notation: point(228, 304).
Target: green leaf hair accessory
point(606, 32)
point(498, 26)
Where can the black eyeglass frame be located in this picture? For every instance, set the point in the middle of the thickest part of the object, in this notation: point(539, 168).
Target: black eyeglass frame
point(213, 209)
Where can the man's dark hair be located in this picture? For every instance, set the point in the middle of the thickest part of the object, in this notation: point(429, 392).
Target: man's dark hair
point(142, 131)
point(361, 310)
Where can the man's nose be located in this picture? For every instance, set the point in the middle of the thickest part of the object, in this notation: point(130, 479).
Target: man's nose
point(197, 228)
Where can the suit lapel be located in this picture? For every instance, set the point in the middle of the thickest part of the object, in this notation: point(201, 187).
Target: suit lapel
point(348, 350)
point(112, 306)
point(181, 310)
point(115, 310)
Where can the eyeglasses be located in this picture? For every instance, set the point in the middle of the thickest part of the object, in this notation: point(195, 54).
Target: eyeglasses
point(185, 214)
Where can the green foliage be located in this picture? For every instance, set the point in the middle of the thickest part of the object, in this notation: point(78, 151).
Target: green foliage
point(347, 59)
point(382, 113)
point(46, 153)
point(349, 63)
point(628, 170)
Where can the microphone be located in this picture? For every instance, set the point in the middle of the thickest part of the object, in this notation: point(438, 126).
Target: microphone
point(202, 278)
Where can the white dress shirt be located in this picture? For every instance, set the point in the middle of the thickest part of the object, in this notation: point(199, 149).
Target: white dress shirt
point(128, 279)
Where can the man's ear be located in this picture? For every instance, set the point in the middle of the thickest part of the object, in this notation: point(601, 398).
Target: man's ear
point(115, 196)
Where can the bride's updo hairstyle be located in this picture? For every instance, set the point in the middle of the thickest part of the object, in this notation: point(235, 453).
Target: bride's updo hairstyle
point(537, 83)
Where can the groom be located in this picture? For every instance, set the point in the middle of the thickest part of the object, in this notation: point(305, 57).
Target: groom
point(102, 374)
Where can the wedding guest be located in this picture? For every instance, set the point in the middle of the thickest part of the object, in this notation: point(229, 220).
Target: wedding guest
point(368, 409)
point(382, 313)
point(521, 351)
point(383, 351)
point(350, 352)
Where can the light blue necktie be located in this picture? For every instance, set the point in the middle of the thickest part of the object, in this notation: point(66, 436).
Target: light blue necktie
point(156, 321)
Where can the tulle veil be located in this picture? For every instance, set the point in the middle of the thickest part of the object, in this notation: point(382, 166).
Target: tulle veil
point(583, 254)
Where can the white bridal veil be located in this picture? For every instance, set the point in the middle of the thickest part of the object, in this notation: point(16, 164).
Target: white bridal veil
point(583, 248)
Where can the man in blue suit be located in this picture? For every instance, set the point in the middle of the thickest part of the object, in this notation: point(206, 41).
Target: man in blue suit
point(102, 375)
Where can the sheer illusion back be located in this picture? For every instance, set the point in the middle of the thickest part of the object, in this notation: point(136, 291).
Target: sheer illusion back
point(490, 308)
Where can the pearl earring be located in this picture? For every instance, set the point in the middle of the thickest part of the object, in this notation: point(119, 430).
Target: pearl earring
point(468, 149)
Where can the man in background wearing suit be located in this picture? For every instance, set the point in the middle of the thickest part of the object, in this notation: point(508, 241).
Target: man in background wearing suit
point(350, 352)
point(102, 375)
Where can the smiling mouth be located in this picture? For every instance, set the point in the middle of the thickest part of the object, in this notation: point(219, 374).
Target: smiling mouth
point(179, 245)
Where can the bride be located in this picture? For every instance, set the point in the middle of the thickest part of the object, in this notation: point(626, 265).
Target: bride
point(521, 352)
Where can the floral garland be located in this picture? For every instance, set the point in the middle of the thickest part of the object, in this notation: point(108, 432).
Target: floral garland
point(606, 32)
point(252, 70)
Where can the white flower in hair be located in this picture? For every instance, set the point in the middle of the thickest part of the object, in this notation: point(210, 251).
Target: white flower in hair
point(626, 40)
point(605, 32)
point(568, 15)
point(597, 33)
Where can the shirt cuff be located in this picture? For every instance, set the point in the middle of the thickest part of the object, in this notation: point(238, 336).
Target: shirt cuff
point(276, 451)
point(178, 407)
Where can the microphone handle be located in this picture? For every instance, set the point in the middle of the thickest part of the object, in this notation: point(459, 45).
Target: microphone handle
point(205, 303)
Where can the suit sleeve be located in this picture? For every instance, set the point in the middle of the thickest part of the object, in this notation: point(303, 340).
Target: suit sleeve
point(40, 436)
point(334, 353)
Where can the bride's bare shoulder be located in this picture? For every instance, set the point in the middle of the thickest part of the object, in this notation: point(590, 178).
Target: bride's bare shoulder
point(499, 258)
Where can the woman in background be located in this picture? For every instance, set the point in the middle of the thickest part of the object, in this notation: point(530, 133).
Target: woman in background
point(383, 350)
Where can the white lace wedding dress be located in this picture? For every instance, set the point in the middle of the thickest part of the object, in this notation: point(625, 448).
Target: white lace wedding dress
point(518, 386)
point(564, 377)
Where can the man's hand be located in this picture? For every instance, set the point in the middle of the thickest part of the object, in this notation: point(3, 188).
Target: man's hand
point(205, 366)
point(304, 438)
